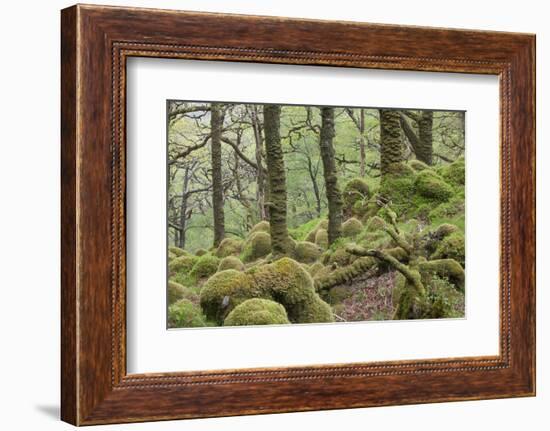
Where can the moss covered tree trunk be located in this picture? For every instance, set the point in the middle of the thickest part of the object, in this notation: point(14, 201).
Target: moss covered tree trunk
point(362, 145)
point(280, 242)
point(334, 197)
point(425, 137)
point(216, 124)
point(183, 210)
point(391, 148)
point(260, 174)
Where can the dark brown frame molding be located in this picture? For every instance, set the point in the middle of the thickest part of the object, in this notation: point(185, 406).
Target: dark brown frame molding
point(95, 43)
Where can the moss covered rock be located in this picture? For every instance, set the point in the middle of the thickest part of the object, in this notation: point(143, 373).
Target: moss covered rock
point(185, 314)
point(230, 262)
point(200, 252)
point(257, 311)
point(355, 195)
point(430, 185)
point(178, 251)
point(229, 247)
point(454, 173)
point(182, 264)
point(256, 246)
point(323, 224)
point(176, 291)
point(340, 257)
point(306, 252)
point(398, 186)
point(171, 256)
point(351, 227)
point(316, 268)
point(417, 165)
point(337, 294)
point(262, 226)
point(449, 269)
point(205, 266)
point(321, 238)
point(451, 247)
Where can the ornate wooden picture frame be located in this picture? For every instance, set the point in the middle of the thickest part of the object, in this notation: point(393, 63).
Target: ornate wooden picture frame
point(96, 41)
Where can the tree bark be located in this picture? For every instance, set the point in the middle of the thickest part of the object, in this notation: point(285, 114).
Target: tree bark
point(362, 146)
point(280, 242)
point(183, 210)
point(334, 197)
point(260, 175)
point(425, 137)
point(216, 124)
point(391, 150)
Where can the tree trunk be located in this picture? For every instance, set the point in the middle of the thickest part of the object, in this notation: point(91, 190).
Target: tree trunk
point(334, 197)
point(216, 123)
point(362, 149)
point(183, 210)
point(315, 186)
point(280, 242)
point(391, 150)
point(260, 174)
point(425, 139)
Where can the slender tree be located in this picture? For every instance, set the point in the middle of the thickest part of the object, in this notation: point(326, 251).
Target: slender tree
point(334, 197)
point(391, 149)
point(280, 242)
point(216, 124)
point(421, 142)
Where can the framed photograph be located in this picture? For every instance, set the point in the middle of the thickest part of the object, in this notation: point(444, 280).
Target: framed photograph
point(282, 215)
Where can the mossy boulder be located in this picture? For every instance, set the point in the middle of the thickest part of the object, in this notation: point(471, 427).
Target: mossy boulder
point(256, 246)
point(432, 186)
point(449, 269)
point(451, 247)
point(224, 291)
point(205, 266)
point(337, 294)
point(454, 173)
point(351, 227)
point(315, 268)
point(306, 252)
point(321, 238)
point(230, 262)
point(229, 247)
point(355, 195)
point(176, 291)
point(447, 210)
point(340, 257)
point(418, 165)
point(200, 252)
point(262, 226)
point(185, 314)
point(178, 251)
point(323, 224)
point(398, 186)
point(171, 256)
point(257, 311)
point(182, 264)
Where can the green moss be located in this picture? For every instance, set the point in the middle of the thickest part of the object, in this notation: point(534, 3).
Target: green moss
point(230, 262)
point(185, 314)
point(262, 226)
point(224, 291)
point(316, 268)
point(451, 247)
point(449, 269)
point(205, 266)
point(200, 252)
point(397, 186)
point(171, 256)
point(351, 227)
point(340, 257)
point(182, 264)
point(355, 194)
point(325, 279)
point(256, 246)
point(178, 251)
point(430, 185)
point(454, 173)
point(337, 294)
point(448, 210)
point(312, 233)
point(321, 238)
point(306, 252)
point(229, 247)
point(257, 311)
point(417, 165)
point(175, 291)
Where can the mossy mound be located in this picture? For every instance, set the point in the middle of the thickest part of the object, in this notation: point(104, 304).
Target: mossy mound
point(229, 247)
point(171, 256)
point(398, 185)
point(257, 311)
point(355, 194)
point(230, 262)
point(451, 247)
point(321, 238)
point(306, 252)
point(449, 269)
point(178, 251)
point(351, 227)
point(205, 266)
point(176, 291)
point(182, 264)
point(200, 252)
point(262, 226)
point(430, 185)
point(224, 291)
point(256, 246)
point(454, 173)
point(323, 224)
point(326, 279)
point(337, 294)
point(340, 257)
point(417, 165)
point(448, 210)
point(185, 314)
point(316, 268)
